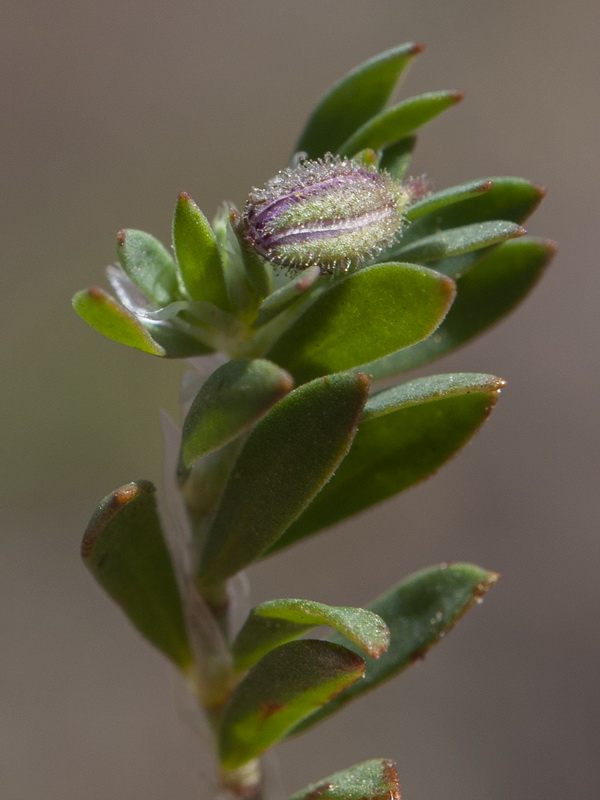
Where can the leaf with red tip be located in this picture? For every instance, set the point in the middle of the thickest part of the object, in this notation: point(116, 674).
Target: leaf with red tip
point(275, 622)
point(354, 100)
point(287, 685)
point(397, 122)
point(371, 780)
point(124, 548)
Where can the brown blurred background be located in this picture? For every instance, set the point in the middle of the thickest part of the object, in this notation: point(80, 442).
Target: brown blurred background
point(109, 110)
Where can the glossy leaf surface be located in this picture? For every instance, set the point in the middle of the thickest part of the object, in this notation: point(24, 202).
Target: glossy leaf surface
point(125, 550)
point(354, 100)
point(275, 622)
point(406, 433)
point(397, 122)
point(288, 456)
point(198, 254)
point(148, 265)
point(418, 612)
point(229, 402)
point(371, 780)
point(485, 294)
point(100, 310)
point(288, 684)
point(366, 315)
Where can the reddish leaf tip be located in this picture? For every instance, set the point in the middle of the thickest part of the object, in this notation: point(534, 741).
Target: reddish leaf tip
point(109, 507)
point(417, 48)
point(96, 293)
point(390, 780)
point(457, 96)
point(121, 238)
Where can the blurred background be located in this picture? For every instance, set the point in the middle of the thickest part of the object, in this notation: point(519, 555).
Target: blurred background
point(109, 110)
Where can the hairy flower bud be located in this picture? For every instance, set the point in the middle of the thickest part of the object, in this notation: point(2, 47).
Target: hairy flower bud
point(333, 213)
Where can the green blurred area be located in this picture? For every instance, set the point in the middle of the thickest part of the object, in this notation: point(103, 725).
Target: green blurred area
point(110, 110)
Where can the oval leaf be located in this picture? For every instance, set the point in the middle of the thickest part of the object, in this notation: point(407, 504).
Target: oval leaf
point(282, 689)
point(198, 254)
point(418, 612)
point(232, 399)
point(406, 433)
point(371, 780)
point(110, 318)
point(485, 294)
point(275, 622)
point(395, 123)
point(447, 197)
point(354, 100)
point(290, 454)
point(148, 265)
point(366, 315)
point(125, 550)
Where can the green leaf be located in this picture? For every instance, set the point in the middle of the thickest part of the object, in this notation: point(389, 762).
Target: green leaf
point(396, 157)
point(234, 397)
point(447, 197)
point(371, 780)
point(407, 432)
point(366, 315)
point(456, 241)
point(198, 254)
point(125, 550)
point(509, 199)
point(397, 122)
point(283, 298)
point(177, 342)
point(354, 100)
point(288, 456)
point(148, 265)
point(287, 685)
point(100, 310)
point(418, 612)
point(275, 622)
point(485, 294)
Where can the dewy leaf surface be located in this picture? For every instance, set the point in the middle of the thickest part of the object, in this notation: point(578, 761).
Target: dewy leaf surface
point(406, 433)
point(293, 450)
point(284, 687)
point(355, 99)
point(364, 316)
point(395, 123)
point(485, 294)
point(275, 622)
point(233, 398)
point(198, 254)
point(125, 550)
point(418, 612)
point(100, 310)
point(371, 780)
point(149, 266)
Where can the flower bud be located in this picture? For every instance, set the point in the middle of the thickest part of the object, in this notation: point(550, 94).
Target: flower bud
point(333, 213)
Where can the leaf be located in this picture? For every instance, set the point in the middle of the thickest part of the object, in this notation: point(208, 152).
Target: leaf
point(419, 612)
point(354, 100)
point(371, 780)
point(395, 158)
point(366, 315)
point(509, 199)
point(447, 197)
point(397, 122)
point(148, 265)
point(232, 399)
point(125, 550)
point(284, 687)
point(456, 241)
point(110, 318)
point(288, 456)
point(283, 298)
point(198, 254)
point(406, 433)
point(275, 622)
point(485, 294)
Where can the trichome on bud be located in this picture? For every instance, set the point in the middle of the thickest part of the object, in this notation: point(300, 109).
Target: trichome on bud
point(334, 213)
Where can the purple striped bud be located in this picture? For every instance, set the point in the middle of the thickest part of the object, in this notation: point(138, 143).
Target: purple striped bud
point(333, 213)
